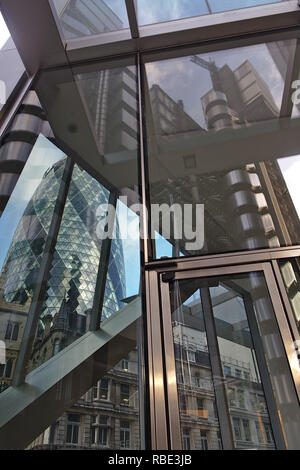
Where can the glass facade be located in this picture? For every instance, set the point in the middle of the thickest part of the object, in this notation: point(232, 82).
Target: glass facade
point(157, 12)
point(81, 18)
point(149, 226)
point(249, 196)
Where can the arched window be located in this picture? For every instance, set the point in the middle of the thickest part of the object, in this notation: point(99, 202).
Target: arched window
point(15, 332)
point(56, 346)
point(8, 368)
point(8, 330)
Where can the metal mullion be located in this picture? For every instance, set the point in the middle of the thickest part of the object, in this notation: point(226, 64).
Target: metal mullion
point(156, 371)
point(283, 325)
point(217, 370)
point(102, 271)
point(170, 367)
point(144, 183)
point(262, 365)
point(287, 305)
point(235, 258)
point(218, 271)
point(43, 275)
point(150, 360)
point(132, 18)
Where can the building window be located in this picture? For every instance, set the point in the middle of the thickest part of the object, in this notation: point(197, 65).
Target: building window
point(12, 331)
point(241, 398)
point(200, 404)
point(73, 425)
point(56, 346)
point(124, 394)
point(268, 433)
point(186, 440)
point(103, 431)
point(237, 429)
point(246, 426)
point(8, 330)
point(204, 441)
point(124, 434)
point(231, 396)
point(258, 432)
point(247, 376)
point(2, 366)
point(103, 389)
point(52, 433)
point(227, 371)
point(197, 380)
point(191, 356)
point(182, 402)
point(8, 368)
point(124, 364)
point(179, 377)
point(238, 373)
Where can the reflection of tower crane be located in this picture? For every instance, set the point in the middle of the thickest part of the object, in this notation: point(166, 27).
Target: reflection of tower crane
point(213, 70)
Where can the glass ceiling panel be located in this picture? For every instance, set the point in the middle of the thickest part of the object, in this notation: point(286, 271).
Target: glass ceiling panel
point(157, 11)
point(11, 66)
point(80, 18)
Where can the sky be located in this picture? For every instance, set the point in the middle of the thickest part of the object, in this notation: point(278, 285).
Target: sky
point(4, 33)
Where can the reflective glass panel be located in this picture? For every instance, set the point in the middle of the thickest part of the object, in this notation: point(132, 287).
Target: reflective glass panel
point(290, 270)
point(157, 12)
point(108, 415)
point(11, 66)
point(24, 227)
point(90, 305)
point(246, 344)
point(216, 143)
point(85, 17)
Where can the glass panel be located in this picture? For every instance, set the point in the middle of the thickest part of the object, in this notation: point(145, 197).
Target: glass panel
point(157, 12)
point(245, 394)
point(11, 66)
point(24, 227)
point(94, 279)
point(195, 385)
point(233, 301)
point(290, 270)
point(105, 421)
point(215, 145)
point(85, 17)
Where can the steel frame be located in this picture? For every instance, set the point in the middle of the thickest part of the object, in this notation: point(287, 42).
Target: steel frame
point(156, 42)
point(184, 271)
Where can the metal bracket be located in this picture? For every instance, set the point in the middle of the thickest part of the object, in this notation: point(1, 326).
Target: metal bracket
point(168, 276)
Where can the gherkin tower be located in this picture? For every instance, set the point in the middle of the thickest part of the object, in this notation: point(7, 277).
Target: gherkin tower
point(72, 280)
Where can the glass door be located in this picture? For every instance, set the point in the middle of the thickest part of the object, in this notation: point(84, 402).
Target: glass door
point(228, 369)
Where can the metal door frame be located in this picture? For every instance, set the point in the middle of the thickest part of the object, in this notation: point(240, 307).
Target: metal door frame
point(165, 422)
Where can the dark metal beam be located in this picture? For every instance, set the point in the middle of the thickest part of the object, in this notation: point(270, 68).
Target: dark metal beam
point(34, 29)
point(132, 17)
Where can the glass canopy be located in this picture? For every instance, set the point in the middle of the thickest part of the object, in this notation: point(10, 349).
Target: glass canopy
point(157, 11)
